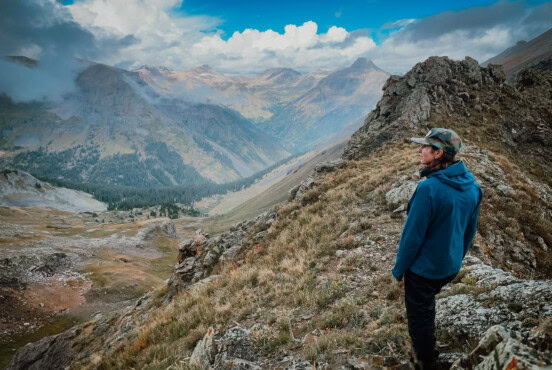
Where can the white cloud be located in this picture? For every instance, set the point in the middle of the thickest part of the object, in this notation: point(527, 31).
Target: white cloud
point(397, 55)
point(164, 36)
point(300, 47)
point(335, 34)
point(479, 32)
point(180, 41)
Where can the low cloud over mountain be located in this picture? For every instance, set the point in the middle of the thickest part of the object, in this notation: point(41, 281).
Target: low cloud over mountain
point(46, 30)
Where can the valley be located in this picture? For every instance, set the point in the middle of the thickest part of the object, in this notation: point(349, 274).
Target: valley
point(63, 267)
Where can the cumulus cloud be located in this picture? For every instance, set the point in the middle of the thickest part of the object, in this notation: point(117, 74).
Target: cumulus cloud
point(180, 41)
point(480, 32)
point(165, 35)
point(299, 46)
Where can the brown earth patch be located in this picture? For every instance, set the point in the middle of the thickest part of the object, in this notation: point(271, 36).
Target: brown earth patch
point(29, 309)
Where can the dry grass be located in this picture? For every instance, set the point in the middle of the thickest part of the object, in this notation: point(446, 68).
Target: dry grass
point(519, 218)
point(299, 295)
point(291, 283)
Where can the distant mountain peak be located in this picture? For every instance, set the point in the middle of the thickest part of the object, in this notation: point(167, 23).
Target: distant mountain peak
point(153, 70)
point(205, 68)
point(364, 63)
point(277, 70)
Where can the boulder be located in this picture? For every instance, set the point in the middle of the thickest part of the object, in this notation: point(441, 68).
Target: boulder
point(233, 351)
point(205, 351)
point(49, 353)
point(401, 193)
point(500, 348)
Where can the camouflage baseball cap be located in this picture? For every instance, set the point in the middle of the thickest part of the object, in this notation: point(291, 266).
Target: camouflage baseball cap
point(442, 138)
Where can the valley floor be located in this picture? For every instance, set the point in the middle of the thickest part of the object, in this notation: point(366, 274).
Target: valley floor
point(62, 268)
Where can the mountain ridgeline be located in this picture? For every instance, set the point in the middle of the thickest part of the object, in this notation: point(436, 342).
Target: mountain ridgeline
point(114, 129)
point(154, 127)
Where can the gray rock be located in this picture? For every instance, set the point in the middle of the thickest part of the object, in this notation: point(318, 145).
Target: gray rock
point(205, 351)
point(233, 351)
point(49, 353)
point(497, 297)
point(236, 344)
point(500, 348)
point(401, 193)
point(542, 244)
point(300, 365)
point(169, 229)
point(231, 253)
point(510, 352)
point(329, 166)
point(293, 192)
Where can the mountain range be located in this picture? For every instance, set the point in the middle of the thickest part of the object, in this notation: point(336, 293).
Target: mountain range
point(301, 110)
point(157, 127)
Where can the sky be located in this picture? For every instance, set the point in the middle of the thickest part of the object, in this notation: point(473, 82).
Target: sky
point(247, 37)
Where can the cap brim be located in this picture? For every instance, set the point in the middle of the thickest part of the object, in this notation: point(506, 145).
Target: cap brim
point(420, 140)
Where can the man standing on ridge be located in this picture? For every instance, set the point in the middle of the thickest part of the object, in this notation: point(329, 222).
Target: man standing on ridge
point(439, 230)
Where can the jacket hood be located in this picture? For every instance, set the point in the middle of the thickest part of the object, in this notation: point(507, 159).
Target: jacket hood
point(456, 175)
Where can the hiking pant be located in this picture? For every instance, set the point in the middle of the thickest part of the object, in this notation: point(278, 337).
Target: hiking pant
point(420, 309)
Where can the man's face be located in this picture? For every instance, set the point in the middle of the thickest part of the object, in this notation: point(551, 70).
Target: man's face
point(428, 154)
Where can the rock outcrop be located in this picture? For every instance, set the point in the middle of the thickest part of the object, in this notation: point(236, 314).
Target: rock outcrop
point(509, 316)
point(500, 348)
point(198, 256)
point(437, 85)
point(22, 270)
point(298, 192)
point(232, 351)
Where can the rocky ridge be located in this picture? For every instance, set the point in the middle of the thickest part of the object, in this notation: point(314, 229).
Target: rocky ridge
point(438, 85)
point(493, 118)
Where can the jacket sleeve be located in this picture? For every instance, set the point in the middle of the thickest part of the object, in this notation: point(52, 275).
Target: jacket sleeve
point(469, 234)
point(414, 231)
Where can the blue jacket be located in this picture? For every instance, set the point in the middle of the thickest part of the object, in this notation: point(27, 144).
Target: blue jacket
point(441, 224)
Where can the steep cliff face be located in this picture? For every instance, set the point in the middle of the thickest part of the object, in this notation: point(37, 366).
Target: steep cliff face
point(309, 283)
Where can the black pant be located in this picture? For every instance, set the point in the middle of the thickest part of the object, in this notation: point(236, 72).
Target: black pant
point(420, 310)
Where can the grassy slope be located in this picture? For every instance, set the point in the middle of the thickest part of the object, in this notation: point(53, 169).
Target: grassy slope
point(277, 193)
point(295, 277)
point(293, 286)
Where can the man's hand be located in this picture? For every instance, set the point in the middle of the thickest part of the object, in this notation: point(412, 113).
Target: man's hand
point(400, 283)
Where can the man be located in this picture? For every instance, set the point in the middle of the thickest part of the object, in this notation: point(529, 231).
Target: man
point(439, 230)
